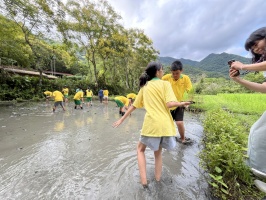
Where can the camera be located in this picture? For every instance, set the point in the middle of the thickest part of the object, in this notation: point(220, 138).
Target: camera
point(230, 63)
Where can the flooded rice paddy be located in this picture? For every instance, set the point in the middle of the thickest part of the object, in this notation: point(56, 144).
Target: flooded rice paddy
point(77, 154)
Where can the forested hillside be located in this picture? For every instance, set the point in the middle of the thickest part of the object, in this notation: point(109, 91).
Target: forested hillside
point(214, 65)
point(168, 60)
point(218, 62)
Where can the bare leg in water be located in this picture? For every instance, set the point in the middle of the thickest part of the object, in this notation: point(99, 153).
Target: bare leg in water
point(142, 163)
point(158, 164)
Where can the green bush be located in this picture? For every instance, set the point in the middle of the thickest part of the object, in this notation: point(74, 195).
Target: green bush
point(223, 157)
point(29, 88)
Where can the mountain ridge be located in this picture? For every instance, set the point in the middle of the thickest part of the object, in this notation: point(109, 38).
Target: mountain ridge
point(213, 65)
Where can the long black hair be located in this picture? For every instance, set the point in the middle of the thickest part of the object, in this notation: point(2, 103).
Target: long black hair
point(149, 73)
point(259, 34)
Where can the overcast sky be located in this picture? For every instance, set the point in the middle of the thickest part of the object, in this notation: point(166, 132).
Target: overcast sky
point(193, 29)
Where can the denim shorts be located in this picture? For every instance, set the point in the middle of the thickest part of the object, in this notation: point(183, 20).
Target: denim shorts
point(155, 142)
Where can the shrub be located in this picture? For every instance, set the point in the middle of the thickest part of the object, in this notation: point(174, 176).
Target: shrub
point(225, 143)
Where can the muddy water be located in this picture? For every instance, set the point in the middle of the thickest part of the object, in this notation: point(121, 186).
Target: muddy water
point(76, 154)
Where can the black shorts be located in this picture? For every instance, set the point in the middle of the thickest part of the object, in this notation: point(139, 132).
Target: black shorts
point(178, 113)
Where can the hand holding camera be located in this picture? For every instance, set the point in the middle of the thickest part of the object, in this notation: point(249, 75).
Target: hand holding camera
point(230, 63)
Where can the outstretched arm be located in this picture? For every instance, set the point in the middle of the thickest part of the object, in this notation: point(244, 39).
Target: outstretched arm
point(251, 67)
point(257, 87)
point(172, 104)
point(120, 121)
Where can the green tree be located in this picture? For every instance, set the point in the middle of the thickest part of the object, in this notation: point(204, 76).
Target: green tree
point(36, 20)
point(13, 49)
point(90, 22)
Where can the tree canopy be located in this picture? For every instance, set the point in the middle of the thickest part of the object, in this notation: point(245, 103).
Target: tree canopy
point(83, 37)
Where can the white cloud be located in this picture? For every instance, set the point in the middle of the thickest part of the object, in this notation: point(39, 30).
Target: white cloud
point(193, 29)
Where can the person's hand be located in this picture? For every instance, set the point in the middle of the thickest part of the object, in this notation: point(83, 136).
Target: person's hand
point(117, 123)
point(237, 65)
point(186, 104)
point(233, 73)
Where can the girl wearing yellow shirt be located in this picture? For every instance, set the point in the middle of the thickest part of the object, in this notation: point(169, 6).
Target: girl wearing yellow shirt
point(158, 130)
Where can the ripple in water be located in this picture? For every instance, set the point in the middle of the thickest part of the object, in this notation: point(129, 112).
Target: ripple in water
point(78, 155)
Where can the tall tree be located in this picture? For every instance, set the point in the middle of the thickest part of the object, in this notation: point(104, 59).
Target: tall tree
point(13, 49)
point(90, 22)
point(36, 21)
point(139, 53)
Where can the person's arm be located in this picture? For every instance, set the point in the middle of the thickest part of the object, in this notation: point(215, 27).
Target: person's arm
point(52, 96)
point(257, 87)
point(172, 104)
point(120, 121)
point(251, 67)
point(189, 89)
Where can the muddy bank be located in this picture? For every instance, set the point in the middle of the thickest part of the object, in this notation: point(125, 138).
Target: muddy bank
point(78, 155)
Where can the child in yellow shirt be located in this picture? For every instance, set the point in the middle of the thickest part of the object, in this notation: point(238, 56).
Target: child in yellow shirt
point(158, 130)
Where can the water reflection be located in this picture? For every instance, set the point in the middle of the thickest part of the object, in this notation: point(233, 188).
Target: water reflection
point(105, 111)
point(79, 119)
point(78, 155)
point(59, 124)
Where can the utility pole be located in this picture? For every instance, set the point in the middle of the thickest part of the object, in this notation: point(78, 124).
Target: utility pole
point(54, 63)
point(51, 66)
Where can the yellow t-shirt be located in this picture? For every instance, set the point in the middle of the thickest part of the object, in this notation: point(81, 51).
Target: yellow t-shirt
point(180, 86)
point(48, 93)
point(65, 91)
point(105, 93)
point(123, 99)
point(78, 95)
point(158, 121)
point(58, 96)
point(89, 93)
point(131, 96)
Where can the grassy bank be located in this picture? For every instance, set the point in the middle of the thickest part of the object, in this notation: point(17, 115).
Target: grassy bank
point(228, 118)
